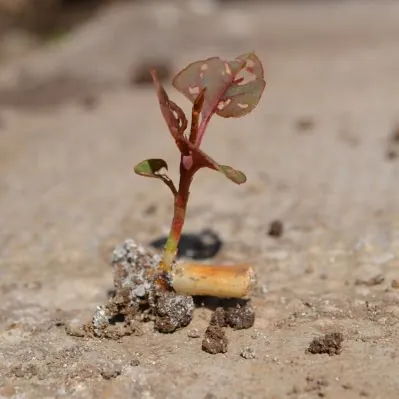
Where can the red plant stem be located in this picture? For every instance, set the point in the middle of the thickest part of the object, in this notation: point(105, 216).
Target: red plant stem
point(179, 215)
point(201, 130)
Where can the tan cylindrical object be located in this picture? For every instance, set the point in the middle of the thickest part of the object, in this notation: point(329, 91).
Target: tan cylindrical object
point(224, 281)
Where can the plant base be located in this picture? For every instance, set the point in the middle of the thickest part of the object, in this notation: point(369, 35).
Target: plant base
point(138, 296)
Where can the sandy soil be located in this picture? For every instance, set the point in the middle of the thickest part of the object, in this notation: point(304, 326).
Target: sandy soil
point(318, 156)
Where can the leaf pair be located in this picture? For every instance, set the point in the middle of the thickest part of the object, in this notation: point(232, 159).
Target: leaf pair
point(230, 89)
point(152, 168)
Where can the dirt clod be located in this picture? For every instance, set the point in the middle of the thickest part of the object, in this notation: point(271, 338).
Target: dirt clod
point(241, 316)
point(238, 316)
point(173, 312)
point(215, 340)
point(330, 343)
point(133, 298)
point(276, 229)
point(137, 298)
point(219, 318)
point(248, 353)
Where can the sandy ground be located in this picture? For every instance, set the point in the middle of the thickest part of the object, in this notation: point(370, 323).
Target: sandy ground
point(314, 151)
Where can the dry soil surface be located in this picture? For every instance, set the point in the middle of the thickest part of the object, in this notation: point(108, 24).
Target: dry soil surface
point(318, 155)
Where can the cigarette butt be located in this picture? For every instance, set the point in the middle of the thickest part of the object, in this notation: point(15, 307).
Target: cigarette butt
point(224, 281)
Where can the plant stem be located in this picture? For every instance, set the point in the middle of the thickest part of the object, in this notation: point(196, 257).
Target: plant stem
point(179, 215)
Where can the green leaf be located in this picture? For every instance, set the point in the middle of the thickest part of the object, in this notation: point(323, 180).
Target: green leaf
point(234, 175)
point(203, 160)
point(152, 168)
point(233, 88)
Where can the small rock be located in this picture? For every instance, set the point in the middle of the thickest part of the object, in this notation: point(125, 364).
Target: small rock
point(140, 291)
point(248, 353)
point(215, 340)
point(276, 229)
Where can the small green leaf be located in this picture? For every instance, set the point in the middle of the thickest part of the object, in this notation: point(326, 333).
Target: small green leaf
point(151, 168)
point(203, 160)
point(234, 175)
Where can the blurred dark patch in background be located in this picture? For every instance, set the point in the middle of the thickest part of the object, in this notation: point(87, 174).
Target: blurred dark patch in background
point(51, 17)
point(46, 17)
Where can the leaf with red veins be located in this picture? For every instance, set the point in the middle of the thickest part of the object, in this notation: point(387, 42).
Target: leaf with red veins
point(233, 88)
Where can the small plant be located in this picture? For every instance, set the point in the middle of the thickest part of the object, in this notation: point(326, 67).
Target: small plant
point(230, 89)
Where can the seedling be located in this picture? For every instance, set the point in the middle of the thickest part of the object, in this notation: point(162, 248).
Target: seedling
point(230, 89)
